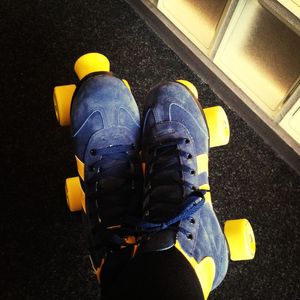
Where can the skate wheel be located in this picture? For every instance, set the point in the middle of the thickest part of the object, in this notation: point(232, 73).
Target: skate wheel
point(62, 98)
point(218, 125)
point(91, 62)
point(127, 84)
point(74, 194)
point(189, 86)
point(240, 238)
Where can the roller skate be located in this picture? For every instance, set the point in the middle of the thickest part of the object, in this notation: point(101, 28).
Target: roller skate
point(177, 206)
point(105, 129)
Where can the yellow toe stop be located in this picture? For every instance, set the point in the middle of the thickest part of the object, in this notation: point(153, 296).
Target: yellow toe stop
point(127, 84)
point(218, 126)
point(189, 86)
point(91, 62)
point(240, 238)
point(62, 98)
point(74, 194)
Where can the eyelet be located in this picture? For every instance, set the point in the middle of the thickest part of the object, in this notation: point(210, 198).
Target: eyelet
point(190, 236)
point(192, 221)
point(93, 152)
point(193, 172)
point(97, 186)
point(187, 141)
point(194, 188)
point(189, 156)
point(132, 185)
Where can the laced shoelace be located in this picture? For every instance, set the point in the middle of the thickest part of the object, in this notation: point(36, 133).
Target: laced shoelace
point(166, 157)
point(114, 176)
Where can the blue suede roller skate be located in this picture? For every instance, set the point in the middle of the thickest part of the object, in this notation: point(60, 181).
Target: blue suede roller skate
point(105, 128)
point(177, 207)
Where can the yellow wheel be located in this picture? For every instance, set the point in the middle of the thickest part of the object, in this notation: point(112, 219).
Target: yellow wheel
point(218, 125)
point(91, 62)
point(189, 86)
point(62, 98)
point(127, 84)
point(240, 238)
point(74, 194)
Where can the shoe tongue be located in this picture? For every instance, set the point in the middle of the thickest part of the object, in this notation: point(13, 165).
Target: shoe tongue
point(103, 139)
point(167, 192)
point(164, 203)
point(100, 140)
point(165, 131)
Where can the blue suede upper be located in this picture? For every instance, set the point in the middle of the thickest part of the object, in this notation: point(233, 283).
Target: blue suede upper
point(103, 113)
point(105, 126)
point(171, 113)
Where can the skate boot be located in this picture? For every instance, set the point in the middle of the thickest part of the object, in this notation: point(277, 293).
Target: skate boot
point(105, 128)
point(177, 207)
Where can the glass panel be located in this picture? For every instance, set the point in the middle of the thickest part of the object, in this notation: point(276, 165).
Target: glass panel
point(197, 19)
point(292, 5)
point(261, 55)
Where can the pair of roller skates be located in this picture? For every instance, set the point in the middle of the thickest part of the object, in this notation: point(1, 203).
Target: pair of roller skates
point(144, 187)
